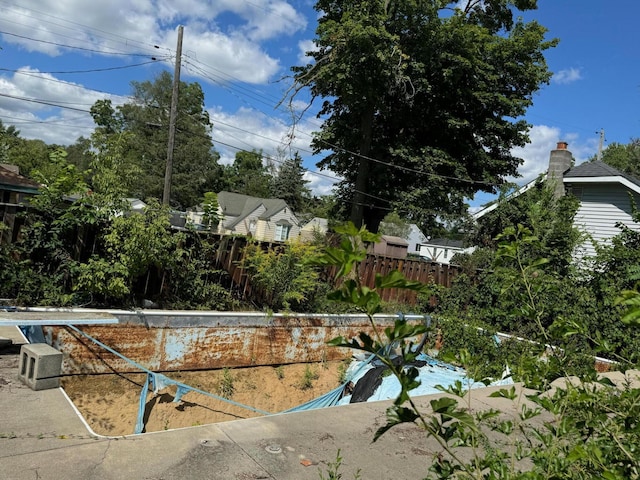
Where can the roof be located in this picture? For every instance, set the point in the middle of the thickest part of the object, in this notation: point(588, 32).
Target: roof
point(446, 242)
point(598, 169)
point(241, 206)
point(516, 193)
point(391, 240)
point(17, 182)
point(591, 172)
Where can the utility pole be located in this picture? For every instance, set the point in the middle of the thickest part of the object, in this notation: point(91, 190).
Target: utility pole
point(600, 144)
point(166, 194)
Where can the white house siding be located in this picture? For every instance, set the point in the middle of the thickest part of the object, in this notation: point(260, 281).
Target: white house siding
point(242, 227)
point(268, 228)
point(601, 207)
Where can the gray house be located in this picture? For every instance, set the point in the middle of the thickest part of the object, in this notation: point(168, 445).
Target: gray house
point(604, 192)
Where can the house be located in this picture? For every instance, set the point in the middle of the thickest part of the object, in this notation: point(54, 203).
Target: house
point(441, 250)
point(605, 195)
point(416, 239)
point(14, 190)
point(313, 229)
point(389, 246)
point(266, 219)
point(603, 191)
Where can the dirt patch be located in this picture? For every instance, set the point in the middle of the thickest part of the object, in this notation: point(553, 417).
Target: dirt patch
point(109, 403)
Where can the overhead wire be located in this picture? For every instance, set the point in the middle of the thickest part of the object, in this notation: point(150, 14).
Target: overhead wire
point(92, 70)
point(74, 47)
point(111, 36)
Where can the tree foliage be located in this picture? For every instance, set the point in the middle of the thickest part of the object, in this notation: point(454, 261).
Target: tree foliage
point(248, 174)
point(625, 158)
point(393, 224)
point(419, 100)
point(288, 183)
point(146, 121)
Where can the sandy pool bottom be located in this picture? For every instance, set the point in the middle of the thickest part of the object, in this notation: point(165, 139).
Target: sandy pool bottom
point(109, 403)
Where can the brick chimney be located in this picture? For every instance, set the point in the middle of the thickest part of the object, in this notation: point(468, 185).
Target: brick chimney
point(560, 161)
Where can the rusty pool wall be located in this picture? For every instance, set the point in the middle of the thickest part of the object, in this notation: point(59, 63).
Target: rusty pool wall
point(165, 341)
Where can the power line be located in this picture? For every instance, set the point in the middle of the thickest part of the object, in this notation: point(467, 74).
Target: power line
point(84, 49)
point(106, 69)
point(115, 37)
point(43, 102)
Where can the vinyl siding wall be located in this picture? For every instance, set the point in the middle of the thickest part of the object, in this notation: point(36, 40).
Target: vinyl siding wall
point(601, 207)
point(267, 228)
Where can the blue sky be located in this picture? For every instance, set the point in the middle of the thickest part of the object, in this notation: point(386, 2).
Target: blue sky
point(75, 52)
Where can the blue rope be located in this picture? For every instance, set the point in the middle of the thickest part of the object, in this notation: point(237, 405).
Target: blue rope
point(159, 381)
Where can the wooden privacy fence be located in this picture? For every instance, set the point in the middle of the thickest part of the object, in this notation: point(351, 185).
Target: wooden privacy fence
point(230, 255)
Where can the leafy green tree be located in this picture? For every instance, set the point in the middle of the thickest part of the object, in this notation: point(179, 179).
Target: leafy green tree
point(419, 100)
point(625, 158)
point(134, 245)
point(248, 175)
point(549, 218)
point(79, 153)
point(195, 167)
point(393, 224)
point(28, 155)
point(286, 279)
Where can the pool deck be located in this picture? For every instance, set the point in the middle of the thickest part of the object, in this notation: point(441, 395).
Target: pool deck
point(43, 437)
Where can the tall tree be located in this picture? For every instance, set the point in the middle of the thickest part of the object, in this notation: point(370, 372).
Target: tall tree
point(289, 184)
point(420, 99)
point(195, 165)
point(248, 174)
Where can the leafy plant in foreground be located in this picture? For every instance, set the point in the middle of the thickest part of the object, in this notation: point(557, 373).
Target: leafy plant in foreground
point(586, 430)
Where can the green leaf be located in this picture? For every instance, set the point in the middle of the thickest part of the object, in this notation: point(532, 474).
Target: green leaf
point(395, 416)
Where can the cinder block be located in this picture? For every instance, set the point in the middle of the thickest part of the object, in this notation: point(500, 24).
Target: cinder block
point(40, 366)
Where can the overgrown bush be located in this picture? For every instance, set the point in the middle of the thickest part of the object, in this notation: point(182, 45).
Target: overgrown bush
point(285, 278)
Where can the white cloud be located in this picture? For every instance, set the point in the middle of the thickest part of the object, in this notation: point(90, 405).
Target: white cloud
point(44, 119)
point(535, 154)
point(320, 184)
point(305, 46)
point(543, 139)
point(566, 76)
point(136, 26)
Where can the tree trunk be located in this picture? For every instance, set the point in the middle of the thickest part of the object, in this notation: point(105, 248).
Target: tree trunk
point(362, 177)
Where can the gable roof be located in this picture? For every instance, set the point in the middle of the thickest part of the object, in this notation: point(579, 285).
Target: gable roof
point(16, 182)
point(514, 194)
point(240, 206)
point(445, 243)
point(589, 172)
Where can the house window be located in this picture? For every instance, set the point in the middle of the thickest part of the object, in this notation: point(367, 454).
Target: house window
point(446, 253)
point(252, 226)
point(282, 232)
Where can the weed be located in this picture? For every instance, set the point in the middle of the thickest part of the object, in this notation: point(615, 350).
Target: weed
point(342, 371)
point(308, 378)
point(226, 387)
point(333, 470)
point(280, 372)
